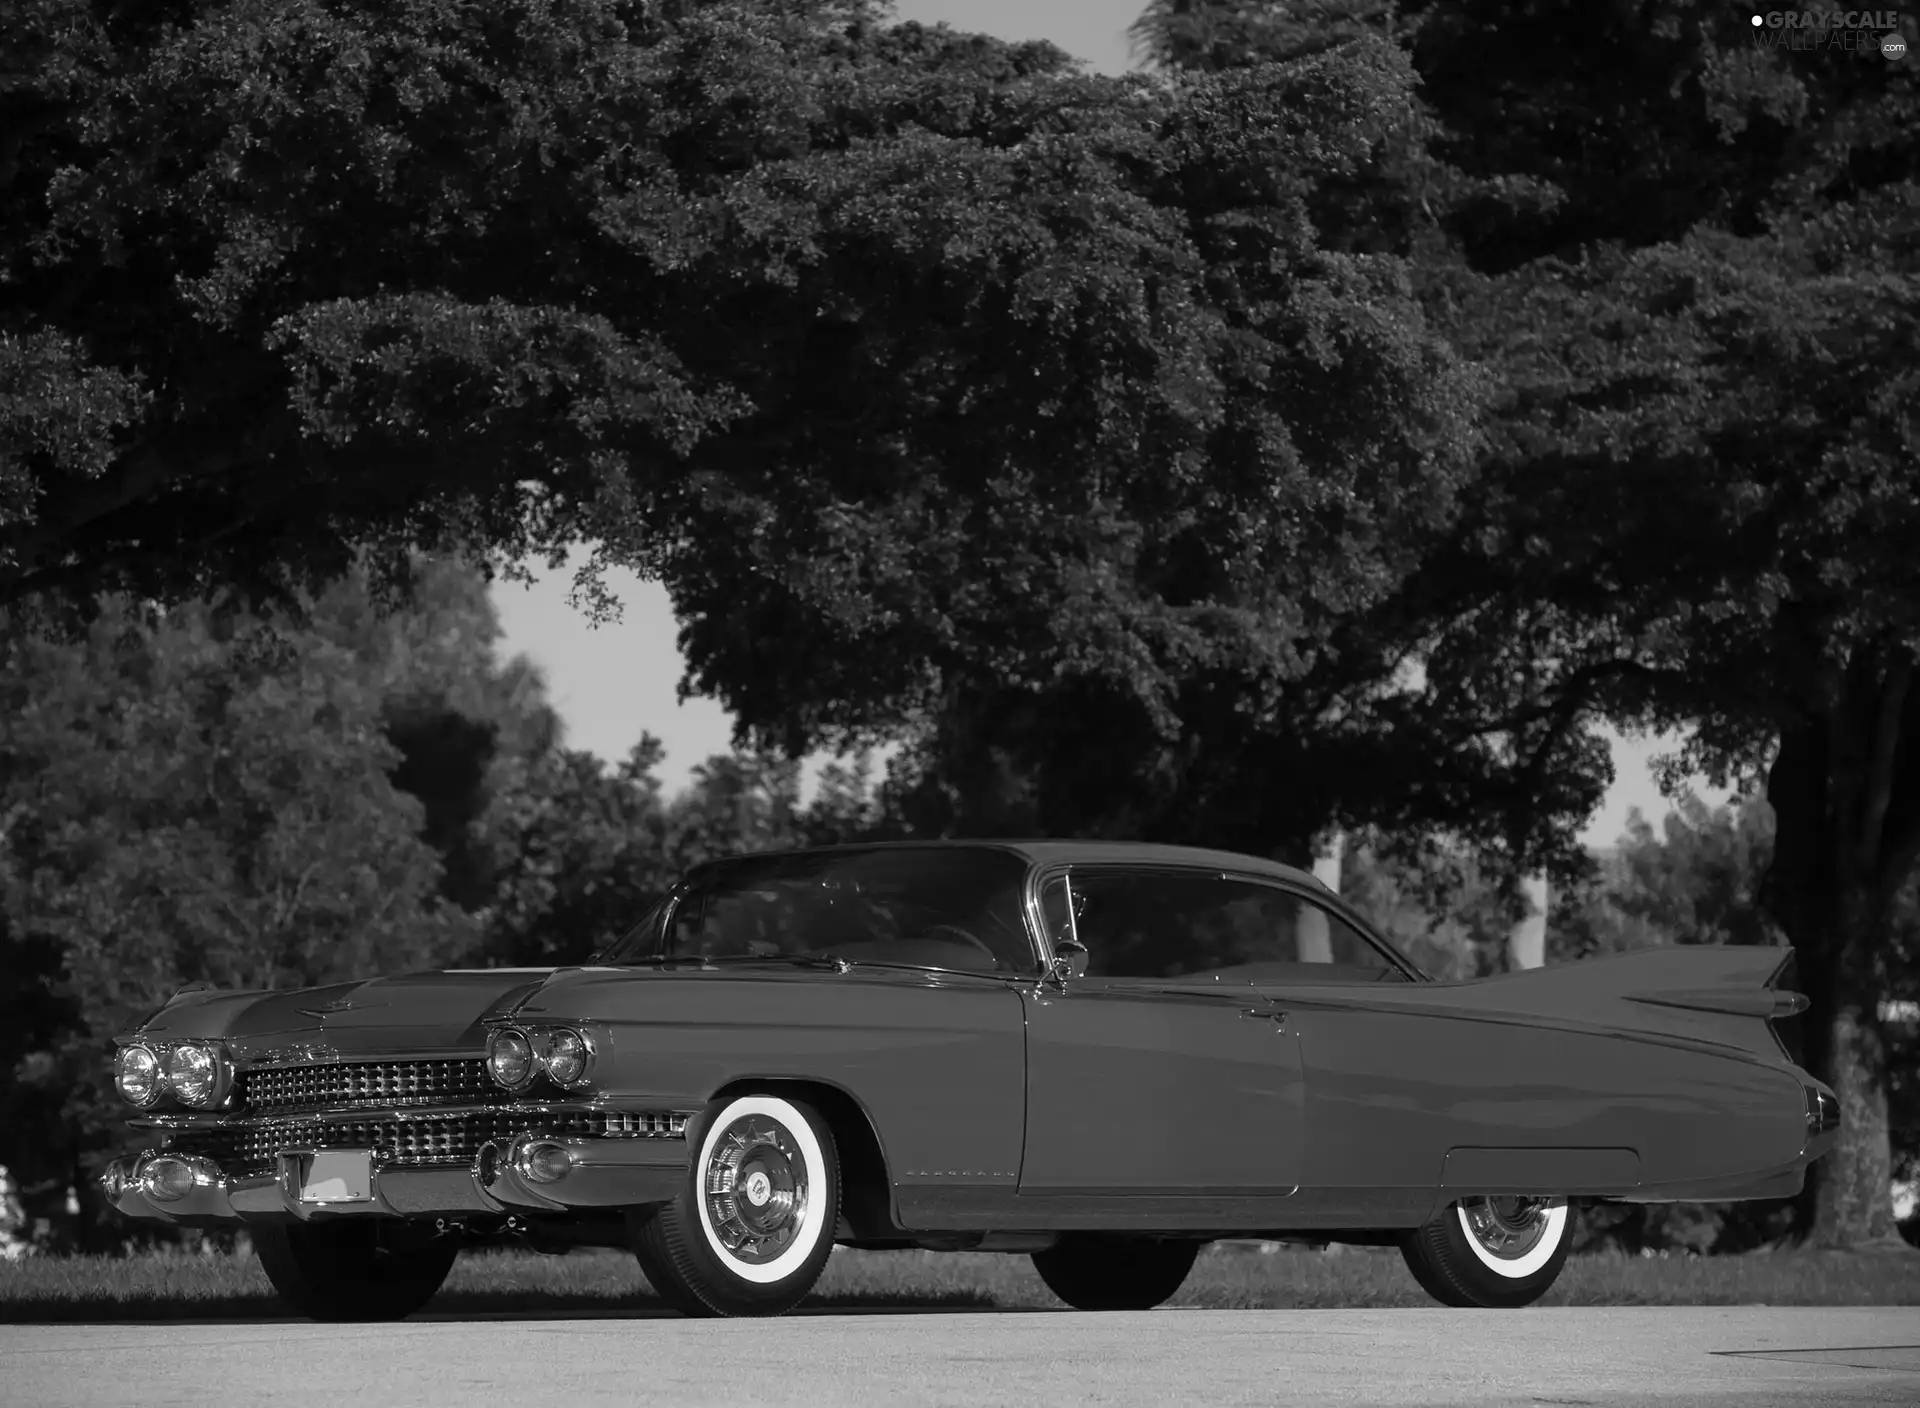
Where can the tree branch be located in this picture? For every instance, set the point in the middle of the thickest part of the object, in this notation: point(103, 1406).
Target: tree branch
point(32, 552)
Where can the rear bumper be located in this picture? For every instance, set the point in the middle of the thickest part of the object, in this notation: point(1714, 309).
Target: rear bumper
point(602, 1173)
point(1822, 1132)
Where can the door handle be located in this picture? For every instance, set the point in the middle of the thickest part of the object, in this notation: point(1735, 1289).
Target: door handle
point(1266, 1014)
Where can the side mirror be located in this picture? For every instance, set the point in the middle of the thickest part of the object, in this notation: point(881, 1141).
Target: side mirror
point(1069, 959)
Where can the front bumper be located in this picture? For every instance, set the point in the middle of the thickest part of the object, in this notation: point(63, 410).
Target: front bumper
point(602, 1174)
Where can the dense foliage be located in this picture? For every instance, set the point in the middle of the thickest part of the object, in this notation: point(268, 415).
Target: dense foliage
point(202, 796)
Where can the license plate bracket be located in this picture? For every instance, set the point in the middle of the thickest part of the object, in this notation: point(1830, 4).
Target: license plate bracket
point(336, 1176)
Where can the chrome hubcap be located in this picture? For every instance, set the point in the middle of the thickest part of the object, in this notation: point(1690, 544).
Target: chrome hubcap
point(756, 1189)
point(1507, 1228)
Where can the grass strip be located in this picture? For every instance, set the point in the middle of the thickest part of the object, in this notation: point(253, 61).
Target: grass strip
point(218, 1287)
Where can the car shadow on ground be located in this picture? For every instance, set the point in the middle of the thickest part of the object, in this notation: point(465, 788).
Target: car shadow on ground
point(453, 1306)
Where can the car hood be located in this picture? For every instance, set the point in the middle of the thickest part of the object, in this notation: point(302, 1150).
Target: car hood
point(415, 1014)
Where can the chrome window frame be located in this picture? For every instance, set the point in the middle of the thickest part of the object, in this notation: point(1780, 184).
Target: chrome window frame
point(1041, 874)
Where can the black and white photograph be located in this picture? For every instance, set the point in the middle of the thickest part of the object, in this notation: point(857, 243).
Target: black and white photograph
point(956, 703)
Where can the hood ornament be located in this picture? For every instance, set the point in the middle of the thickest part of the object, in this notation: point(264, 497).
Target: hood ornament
point(327, 1009)
point(297, 1054)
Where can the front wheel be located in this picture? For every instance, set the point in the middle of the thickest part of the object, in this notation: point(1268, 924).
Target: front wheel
point(752, 1228)
point(353, 1269)
point(1093, 1272)
point(1496, 1253)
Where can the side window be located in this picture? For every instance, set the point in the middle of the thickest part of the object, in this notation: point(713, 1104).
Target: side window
point(1323, 937)
point(1162, 924)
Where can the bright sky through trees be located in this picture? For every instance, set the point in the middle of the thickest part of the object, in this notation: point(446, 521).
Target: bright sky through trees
point(614, 682)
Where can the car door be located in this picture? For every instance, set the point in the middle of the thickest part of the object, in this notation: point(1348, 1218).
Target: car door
point(1380, 1110)
point(1159, 1070)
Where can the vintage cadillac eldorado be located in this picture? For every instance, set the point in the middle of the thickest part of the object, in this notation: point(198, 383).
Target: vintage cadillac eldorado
point(1103, 1055)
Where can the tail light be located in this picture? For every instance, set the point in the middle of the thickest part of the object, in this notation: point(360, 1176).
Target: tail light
point(1786, 1025)
point(1823, 1112)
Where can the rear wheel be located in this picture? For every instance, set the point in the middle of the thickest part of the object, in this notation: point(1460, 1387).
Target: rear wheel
point(752, 1229)
point(1094, 1271)
point(1497, 1253)
point(353, 1269)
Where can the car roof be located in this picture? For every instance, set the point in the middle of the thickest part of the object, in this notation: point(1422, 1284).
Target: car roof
point(1076, 853)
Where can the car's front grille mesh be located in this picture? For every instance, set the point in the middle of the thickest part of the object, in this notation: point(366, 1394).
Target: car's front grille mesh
point(371, 1084)
point(241, 1150)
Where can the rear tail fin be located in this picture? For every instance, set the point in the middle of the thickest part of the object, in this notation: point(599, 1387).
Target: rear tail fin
point(1735, 995)
point(1778, 1001)
point(1787, 1027)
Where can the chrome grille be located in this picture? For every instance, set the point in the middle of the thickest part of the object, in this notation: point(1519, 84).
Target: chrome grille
point(375, 1084)
point(241, 1150)
point(644, 1124)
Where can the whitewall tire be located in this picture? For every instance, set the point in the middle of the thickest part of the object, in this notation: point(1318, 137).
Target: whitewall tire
point(752, 1229)
point(1494, 1252)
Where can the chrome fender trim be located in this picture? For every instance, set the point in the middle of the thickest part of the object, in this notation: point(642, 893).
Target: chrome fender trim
point(605, 1173)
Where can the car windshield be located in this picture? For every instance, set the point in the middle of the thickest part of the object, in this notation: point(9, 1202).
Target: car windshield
point(956, 908)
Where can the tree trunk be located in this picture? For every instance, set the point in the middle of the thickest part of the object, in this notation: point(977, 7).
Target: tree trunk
point(1326, 865)
point(1848, 1200)
point(1527, 941)
point(1853, 1185)
point(1314, 939)
point(1837, 864)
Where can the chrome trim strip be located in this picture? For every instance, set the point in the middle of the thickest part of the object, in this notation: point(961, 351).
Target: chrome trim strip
point(1039, 875)
point(280, 1119)
point(278, 1058)
point(311, 1085)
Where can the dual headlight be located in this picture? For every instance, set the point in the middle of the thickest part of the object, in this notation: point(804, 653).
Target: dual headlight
point(197, 1073)
point(515, 1056)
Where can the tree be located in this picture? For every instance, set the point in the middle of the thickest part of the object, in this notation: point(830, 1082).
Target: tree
point(1697, 880)
point(579, 853)
point(1434, 900)
point(201, 794)
point(1647, 121)
point(284, 279)
point(1139, 643)
point(459, 717)
point(862, 300)
point(1699, 510)
point(1696, 502)
point(186, 798)
point(1562, 124)
point(1763, 594)
point(1200, 36)
point(396, 275)
point(300, 318)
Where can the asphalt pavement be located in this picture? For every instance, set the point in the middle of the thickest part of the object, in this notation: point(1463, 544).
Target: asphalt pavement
point(1740, 1357)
